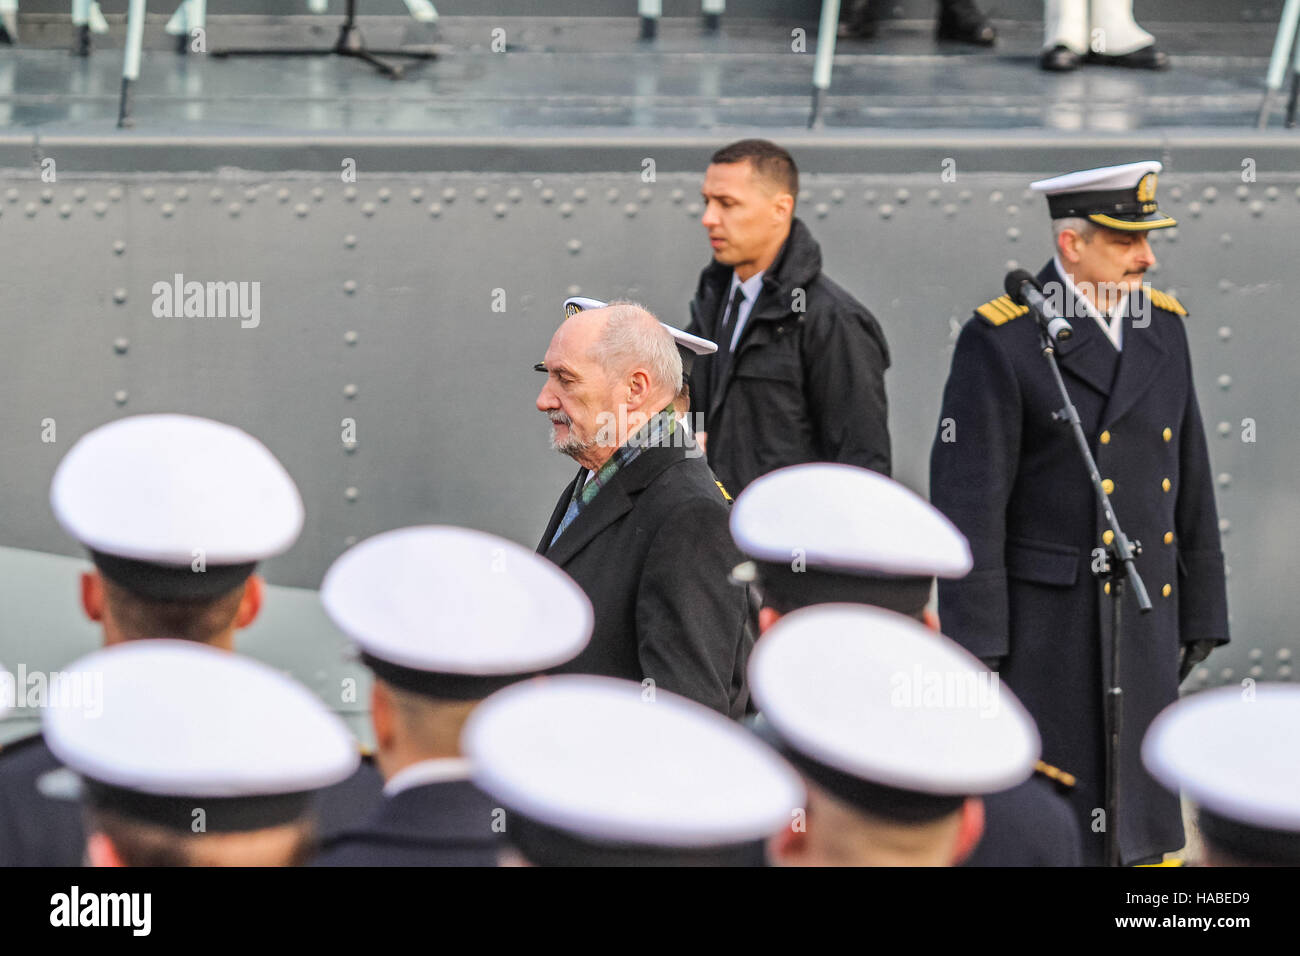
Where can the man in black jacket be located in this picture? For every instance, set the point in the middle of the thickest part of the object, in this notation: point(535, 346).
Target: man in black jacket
point(642, 527)
point(799, 374)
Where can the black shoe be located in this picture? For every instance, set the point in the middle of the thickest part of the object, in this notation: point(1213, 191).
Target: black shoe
point(183, 43)
point(962, 21)
point(81, 43)
point(1059, 59)
point(859, 20)
point(1147, 58)
point(649, 28)
point(5, 38)
point(712, 23)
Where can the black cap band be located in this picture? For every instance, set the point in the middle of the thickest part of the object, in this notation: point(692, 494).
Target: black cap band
point(545, 845)
point(172, 582)
point(1248, 843)
point(785, 589)
point(241, 814)
point(890, 803)
point(438, 685)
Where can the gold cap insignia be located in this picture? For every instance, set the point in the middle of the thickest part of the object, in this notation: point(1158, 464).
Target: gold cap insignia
point(1146, 188)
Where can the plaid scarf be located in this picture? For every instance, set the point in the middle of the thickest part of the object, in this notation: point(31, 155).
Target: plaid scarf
point(649, 435)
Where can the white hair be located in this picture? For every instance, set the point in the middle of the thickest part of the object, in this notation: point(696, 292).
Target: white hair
point(634, 338)
point(1084, 227)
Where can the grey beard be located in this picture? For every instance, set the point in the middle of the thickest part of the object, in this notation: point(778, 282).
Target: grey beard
point(573, 446)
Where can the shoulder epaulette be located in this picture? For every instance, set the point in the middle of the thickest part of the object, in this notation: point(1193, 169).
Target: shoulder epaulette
point(1002, 309)
point(722, 489)
point(1064, 781)
point(1163, 300)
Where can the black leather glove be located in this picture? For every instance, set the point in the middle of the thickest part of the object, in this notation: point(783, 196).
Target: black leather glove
point(1189, 655)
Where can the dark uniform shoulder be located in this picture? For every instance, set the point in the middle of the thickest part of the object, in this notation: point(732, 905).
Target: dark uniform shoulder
point(1001, 310)
point(22, 743)
point(1163, 300)
point(1064, 781)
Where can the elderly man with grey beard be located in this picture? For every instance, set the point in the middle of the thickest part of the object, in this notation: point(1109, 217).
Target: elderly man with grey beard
point(642, 527)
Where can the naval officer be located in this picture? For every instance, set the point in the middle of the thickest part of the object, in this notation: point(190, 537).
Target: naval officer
point(898, 732)
point(1232, 752)
point(595, 771)
point(176, 512)
point(1007, 472)
point(443, 617)
point(826, 533)
point(196, 757)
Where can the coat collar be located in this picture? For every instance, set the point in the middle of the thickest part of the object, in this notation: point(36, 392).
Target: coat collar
point(795, 267)
point(614, 500)
point(1089, 354)
point(1141, 360)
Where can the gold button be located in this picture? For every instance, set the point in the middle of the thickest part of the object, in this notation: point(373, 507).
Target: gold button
point(1169, 537)
point(1106, 587)
point(1107, 536)
point(1166, 484)
point(1167, 590)
point(1107, 485)
point(1105, 438)
point(1168, 433)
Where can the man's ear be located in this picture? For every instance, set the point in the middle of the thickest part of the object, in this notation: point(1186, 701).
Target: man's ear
point(92, 595)
point(1067, 244)
point(381, 716)
point(783, 207)
point(930, 619)
point(251, 603)
point(638, 389)
point(789, 847)
point(100, 851)
point(766, 618)
point(970, 830)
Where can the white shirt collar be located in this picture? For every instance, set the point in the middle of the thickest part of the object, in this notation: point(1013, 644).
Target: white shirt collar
point(752, 286)
point(1112, 325)
point(437, 770)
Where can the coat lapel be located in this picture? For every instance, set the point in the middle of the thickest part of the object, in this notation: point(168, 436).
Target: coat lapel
point(558, 514)
point(1139, 363)
point(611, 502)
point(1089, 354)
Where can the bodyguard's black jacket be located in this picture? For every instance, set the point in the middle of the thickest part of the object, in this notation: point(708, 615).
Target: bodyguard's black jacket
point(653, 553)
point(807, 379)
point(1009, 476)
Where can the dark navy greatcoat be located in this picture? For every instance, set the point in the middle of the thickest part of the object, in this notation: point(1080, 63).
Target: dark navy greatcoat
point(446, 823)
point(1010, 477)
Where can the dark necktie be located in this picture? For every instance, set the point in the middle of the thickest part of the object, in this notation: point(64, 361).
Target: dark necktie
point(722, 361)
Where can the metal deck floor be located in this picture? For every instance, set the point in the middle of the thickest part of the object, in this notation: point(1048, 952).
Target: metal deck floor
point(592, 74)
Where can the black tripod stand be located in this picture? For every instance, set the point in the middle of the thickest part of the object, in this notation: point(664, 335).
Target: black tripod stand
point(350, 43)
point(1120, 552)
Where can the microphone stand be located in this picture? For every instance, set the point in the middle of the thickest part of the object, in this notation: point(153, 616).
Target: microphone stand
point(1119, 569)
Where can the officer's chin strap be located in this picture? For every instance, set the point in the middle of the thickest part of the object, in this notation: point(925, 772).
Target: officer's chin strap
point(1120, 568)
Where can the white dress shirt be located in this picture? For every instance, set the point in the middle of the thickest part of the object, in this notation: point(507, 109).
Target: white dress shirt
point(437, 770)
point(751, 287)
point(1112, 325)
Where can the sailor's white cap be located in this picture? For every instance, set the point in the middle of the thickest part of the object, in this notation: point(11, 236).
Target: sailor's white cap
point(845, 518)
point(611, 764)
point(1236, 754)
point(170, 490)
point(163, 727)
point(454, 612)
point(886, 713)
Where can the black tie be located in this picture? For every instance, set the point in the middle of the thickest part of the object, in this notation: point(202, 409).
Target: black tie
point(722, 361)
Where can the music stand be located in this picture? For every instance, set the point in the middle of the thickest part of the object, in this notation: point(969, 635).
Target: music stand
point(349, 43)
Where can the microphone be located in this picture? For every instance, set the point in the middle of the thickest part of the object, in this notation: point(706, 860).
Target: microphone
point(1023, 289)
